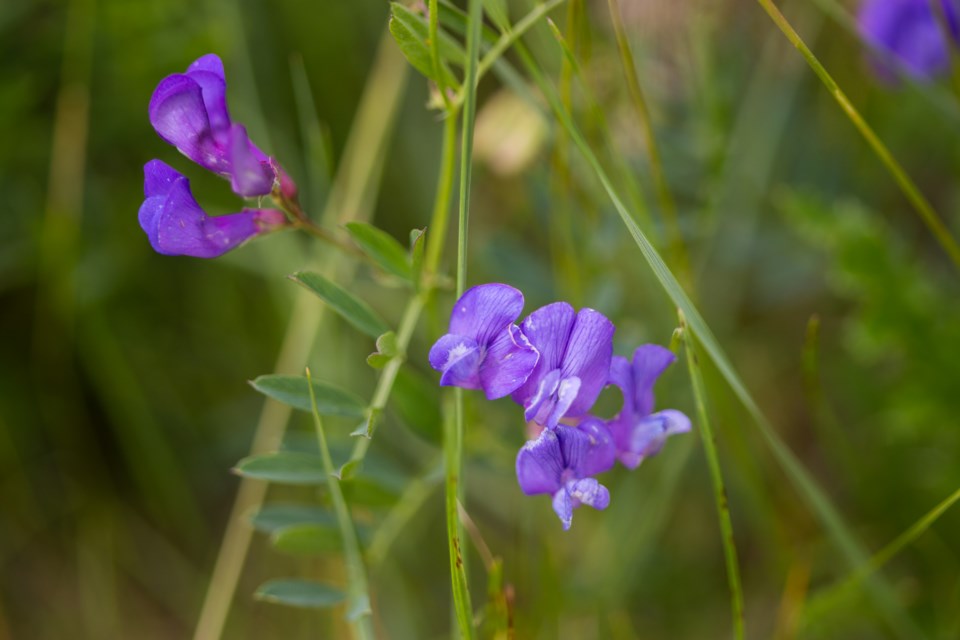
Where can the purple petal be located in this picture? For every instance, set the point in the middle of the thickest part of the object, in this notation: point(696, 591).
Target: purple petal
point(176, 225)
point(539, 406)
point(250, 170)
point(483, 311)
point(207, 71)
point(650, 434)
point(587, 357)
point(600, 453)
point(579, 449)
point(589, 492)
point(621, 375)
point(508, 363)
point(909, 31)
point(547, 329)
point(459, 359)
point(179, 115)
point(158, 177)
point(563, 507)
point(567, 392)
point(540, 465)
point(649, 361)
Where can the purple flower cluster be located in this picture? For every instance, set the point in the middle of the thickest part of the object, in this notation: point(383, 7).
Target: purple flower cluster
point(912, 34)
point(189, 111)
point(555, 364)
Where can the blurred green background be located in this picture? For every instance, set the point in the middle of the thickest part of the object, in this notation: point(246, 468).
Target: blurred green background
point(123, 395)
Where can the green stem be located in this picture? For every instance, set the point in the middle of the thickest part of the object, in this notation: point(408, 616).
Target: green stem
point(506, 40)
point(716, 477)
point(358, 598)
point(453, 433)
point(910, 190)
point(437, 231)
point(381, 394)
point(433, 27)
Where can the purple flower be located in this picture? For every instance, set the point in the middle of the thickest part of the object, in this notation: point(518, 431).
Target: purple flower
point(638, 433)
point(561, 462)
point(909, 32)
point(176, 225)
point(575, 351)
point(189, 110)
point(484, 349)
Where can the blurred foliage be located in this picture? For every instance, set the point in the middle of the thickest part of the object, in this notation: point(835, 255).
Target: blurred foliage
point(123, 395)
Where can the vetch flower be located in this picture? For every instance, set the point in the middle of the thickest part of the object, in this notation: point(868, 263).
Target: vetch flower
point(176, 225)
point(911, 33)
point(189, 110)
point(484, 348)
point(562, 461)
point(637, 432)
point(575, 351)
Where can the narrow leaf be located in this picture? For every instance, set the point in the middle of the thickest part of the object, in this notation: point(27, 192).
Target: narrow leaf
point(292, 390)
point(382, 248)
point(307, 539)
point(412, 35)
point(283, 468)
point(352, 309)
point(278, 516)
point(299, 593)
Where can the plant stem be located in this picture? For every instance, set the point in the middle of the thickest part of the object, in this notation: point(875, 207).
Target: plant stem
point(453, 432)
point(358, 598)
point(437, 231)
point(716, 477)
point(922, 206)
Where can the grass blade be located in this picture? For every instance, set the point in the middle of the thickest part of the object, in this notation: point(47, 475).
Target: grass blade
point(716, 476)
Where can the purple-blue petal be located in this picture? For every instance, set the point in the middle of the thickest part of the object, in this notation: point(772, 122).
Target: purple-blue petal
point(179, 115)
point(563, 506)
point(458, 357)
point(621, 376)
point(158, 177)
point(600, 453)
point(547, 329)
point(483, 311)
point(508, 362)
point(589, 492)
point(587, 356)
point(649, 362)
point(909, 31)
point(207, 71)
point(650, 434)
point(250, 170)
point(541, 404)
point(540, 465)
point(176, 225)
